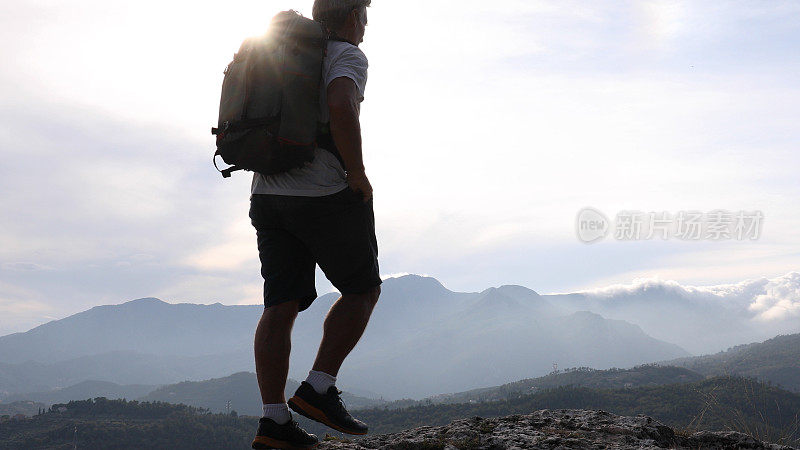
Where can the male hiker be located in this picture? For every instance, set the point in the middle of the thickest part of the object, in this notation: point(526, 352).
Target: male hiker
point(320, 213)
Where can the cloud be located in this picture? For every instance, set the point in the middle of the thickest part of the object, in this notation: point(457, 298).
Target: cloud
point(385, 277)
point(24, 266)
point(235, 248)
point(660, 21)
point(21, 308)
point(780, 300)
point(765, 300)
point(638, 286)
point(18, 299)
point(209, 287)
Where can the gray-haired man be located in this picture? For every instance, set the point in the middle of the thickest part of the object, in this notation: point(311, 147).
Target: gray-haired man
point(318, 214)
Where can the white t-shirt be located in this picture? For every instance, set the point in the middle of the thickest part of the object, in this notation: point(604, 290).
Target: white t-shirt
point(324, 175)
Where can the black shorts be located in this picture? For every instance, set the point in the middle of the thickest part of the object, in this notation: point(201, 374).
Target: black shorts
point(296, 233)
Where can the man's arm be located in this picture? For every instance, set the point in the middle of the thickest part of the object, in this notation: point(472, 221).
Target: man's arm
point(344, 108)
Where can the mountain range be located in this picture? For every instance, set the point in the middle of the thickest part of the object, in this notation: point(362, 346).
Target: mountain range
point(457, 340)
point(422, 340)
point(774, 361)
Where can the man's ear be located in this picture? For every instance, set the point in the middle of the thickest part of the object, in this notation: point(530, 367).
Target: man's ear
point(355, 16)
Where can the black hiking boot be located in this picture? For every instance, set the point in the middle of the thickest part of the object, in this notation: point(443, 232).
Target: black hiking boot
point(326, 408)
point(288, 435)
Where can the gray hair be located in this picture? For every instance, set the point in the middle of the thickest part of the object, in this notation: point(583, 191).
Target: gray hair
point(333, 13)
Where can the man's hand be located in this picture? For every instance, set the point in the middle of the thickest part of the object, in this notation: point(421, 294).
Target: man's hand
point(359, 182)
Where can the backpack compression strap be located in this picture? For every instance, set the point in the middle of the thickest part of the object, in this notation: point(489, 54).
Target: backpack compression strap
point(226, 173)
point(237, 126)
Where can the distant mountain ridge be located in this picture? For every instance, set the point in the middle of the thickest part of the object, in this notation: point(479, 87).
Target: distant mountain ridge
point(84, 390)
point(145, 325)
point(701, 319)
point(120, 367)
point(241, 389)
point(775, 360)
point(644, 375)
point(458, 340)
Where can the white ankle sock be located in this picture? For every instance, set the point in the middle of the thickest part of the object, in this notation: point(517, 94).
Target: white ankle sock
point(320, 381)
point(279, 412)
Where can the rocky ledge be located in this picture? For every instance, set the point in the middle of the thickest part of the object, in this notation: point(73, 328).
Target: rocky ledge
point(555, 429)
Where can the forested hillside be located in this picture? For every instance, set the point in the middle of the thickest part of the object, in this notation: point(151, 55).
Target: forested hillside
point(720, 403)
point(717, 403)
point(776, 360)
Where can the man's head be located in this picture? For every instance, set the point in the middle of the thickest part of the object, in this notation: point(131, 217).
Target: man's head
point(346, 18)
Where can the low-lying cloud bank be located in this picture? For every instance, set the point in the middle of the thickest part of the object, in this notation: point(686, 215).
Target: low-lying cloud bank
point(764, 299)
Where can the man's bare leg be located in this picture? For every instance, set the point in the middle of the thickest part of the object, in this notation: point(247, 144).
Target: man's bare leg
point(273, 343)
point(344, 325)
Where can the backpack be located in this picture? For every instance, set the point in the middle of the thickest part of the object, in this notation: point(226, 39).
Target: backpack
point(269, 107)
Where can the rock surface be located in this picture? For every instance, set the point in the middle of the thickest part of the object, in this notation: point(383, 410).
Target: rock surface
point(554, 429)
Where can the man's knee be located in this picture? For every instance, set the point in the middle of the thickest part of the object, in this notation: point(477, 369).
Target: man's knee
point(284, 312)
point(373, 294)
point(370, 296)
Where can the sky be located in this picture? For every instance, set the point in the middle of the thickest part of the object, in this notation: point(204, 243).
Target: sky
point(487, 128)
